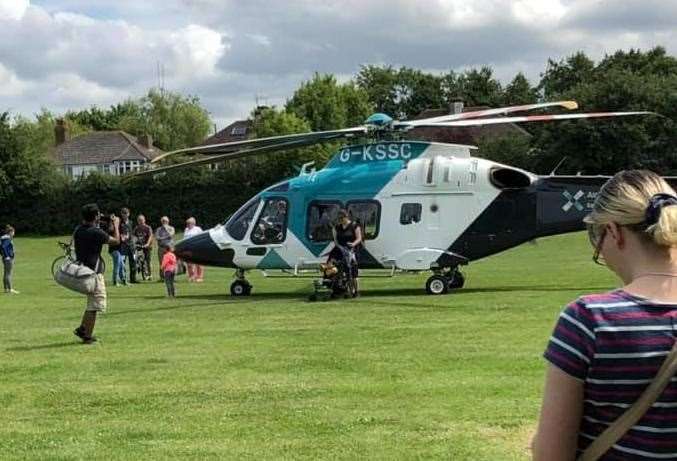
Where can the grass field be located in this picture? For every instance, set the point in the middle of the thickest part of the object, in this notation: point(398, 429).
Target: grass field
point(394, 374)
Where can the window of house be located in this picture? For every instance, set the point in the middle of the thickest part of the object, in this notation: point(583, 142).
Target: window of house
point(321, 220)
point(272, 224)
point(127, 166)
point(238, 131)
point(238, 225)
point(367, 213)
point(410, 213)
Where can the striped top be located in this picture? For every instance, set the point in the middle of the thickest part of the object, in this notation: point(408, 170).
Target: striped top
point(615, 343)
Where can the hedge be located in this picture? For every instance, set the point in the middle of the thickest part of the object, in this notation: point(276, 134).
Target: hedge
point(209, 196)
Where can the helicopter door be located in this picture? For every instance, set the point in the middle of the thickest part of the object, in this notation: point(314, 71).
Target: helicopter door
point(268, 236)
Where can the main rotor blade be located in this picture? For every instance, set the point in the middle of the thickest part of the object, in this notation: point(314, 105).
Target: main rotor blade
point(293, 144)
point(260, 142)
point(534, 118)
point(570, 105)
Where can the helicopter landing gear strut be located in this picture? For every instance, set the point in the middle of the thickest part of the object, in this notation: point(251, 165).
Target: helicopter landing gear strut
point(444, 280)
point(240, 286)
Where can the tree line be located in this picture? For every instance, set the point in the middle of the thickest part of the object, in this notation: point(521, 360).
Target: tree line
point(38, 198)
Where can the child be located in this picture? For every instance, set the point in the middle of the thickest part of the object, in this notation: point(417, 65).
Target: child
point(168, 268)
point(7, 253)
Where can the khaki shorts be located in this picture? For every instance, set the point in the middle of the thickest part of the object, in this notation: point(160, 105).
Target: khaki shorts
point(96, 302)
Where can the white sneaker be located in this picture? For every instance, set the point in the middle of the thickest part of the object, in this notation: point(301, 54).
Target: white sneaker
point(14, 292)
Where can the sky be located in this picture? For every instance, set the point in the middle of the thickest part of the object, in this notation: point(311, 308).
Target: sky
point(72, 54)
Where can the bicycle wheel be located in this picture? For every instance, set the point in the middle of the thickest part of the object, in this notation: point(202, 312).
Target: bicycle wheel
point(57, 263)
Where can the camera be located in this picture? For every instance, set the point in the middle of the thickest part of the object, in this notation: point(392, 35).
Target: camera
point(105, 221)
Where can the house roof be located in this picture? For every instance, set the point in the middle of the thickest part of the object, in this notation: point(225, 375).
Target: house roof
point(236, 131)
point(462, 135)
point(102, 147)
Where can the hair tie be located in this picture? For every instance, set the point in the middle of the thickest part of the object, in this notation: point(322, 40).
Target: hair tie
point(656, 203)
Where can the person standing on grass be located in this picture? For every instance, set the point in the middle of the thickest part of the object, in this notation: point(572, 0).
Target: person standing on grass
point(89, 240)
point(164, 235)
point(608, 347)
point(7, 254)
point(127, 246)
point(117, 251)
point(144, 237)
point(195, 271)
point(168, 268)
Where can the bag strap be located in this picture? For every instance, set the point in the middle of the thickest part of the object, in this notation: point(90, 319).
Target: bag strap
point(631, 416)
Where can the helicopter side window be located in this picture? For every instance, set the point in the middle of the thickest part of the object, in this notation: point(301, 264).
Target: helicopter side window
point(272, 224)
point(322, 216)
point(410, 213)
point(367, 214)
point(238, 225)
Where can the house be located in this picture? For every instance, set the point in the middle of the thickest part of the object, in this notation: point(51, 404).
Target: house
point(470, 135)
point(112, 152)
point(240, 130)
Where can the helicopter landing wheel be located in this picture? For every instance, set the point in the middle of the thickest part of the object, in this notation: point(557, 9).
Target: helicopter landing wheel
point(455, 279)
point(437, 285)
point(240, 288)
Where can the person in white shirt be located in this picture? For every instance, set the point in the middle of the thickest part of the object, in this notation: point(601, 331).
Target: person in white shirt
point(195, 271)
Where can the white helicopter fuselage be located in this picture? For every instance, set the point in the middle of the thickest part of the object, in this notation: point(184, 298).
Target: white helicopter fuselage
point(414, 201)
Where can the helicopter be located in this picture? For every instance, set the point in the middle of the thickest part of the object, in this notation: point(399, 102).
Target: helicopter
point(422, 206)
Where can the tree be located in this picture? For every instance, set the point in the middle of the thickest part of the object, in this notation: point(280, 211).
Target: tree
point(624, 81)
point(264, 170)
point(175, 121)
point(418, 91)
point(380, 84)
point(519, 91)
point(480, 88)
point(327, 105)
point(507, 149)
point(559, 77)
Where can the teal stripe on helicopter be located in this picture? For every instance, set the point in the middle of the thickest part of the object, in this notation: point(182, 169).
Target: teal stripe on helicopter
point(354, 173)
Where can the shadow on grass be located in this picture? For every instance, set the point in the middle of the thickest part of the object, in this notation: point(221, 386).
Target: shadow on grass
point(43, 346)
point(223, 299)
point(540, 288)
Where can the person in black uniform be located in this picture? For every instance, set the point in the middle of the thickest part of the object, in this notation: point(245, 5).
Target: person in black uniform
point(127, 246)
point(347, 234)
point(88, 240)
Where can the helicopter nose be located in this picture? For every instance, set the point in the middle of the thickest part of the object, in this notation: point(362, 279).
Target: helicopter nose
point(201, 249)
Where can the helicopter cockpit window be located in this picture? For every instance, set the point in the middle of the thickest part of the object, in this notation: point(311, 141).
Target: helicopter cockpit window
point(272, 224)
point(238, 225)
point(321, 219)
point(367, 214)
point(410, 213)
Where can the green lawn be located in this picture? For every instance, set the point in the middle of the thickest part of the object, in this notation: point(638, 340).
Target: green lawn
point(395, 374)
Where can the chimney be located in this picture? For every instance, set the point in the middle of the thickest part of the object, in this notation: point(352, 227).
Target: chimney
point(456, 106)
point(146, 140)
point(60, 132)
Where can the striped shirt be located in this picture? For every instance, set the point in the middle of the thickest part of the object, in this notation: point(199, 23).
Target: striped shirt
point(615, 343)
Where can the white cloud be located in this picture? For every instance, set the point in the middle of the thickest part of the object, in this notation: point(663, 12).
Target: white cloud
point(540, 13)
point(13, 9)
point(10, 85)
point(74, 53)
point(197, 50)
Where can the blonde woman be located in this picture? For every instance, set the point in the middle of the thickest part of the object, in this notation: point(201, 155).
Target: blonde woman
point(195, 271)
point(607, 347)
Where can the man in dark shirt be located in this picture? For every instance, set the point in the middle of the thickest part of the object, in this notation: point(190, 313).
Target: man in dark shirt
point(88, 240)
point(144, 237)
point(127, 246)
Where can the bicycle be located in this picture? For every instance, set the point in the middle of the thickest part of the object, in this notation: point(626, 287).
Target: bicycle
point(141, 263)
point(68, 256)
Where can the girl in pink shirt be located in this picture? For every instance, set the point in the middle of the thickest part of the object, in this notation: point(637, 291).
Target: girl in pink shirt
point(168, 268)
